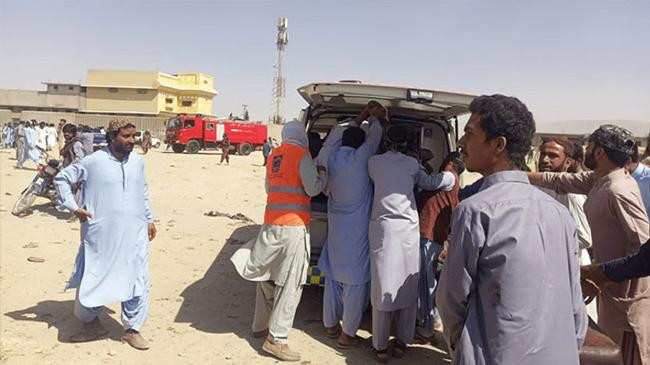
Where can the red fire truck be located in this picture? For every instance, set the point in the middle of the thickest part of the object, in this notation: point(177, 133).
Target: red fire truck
point(192, 133)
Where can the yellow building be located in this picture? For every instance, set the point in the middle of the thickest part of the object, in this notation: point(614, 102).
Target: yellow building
point(148, 92)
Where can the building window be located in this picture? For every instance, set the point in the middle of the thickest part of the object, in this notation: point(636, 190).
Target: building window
point(142, 91)
point(83, 89)
point(169, 100)
point(55, 87)
point(70, 87)
point(186, 103)
point(112, 89)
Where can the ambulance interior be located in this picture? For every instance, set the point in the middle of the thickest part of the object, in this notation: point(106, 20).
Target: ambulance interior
point(430, 133)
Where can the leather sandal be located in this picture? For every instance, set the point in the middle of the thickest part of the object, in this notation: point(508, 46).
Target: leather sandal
point(399, 348)
point(334, 334)
point(380, 356)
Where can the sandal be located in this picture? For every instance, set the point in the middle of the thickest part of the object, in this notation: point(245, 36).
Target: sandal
point(334, 334)
point(346, 346)
point(399, 348)
point(380, 356)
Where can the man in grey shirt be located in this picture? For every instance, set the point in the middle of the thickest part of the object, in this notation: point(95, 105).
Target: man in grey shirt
point(510, 290)
point(20, 143)
point(87, 137)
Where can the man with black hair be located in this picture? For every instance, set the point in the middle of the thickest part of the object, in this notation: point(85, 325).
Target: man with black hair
point(59, 133)
point(578, 158)
point(556, 156)
point(73, 150)
point(345, 260)
point(434, 208)
point(116, 229)
point(266, 150)
point(640, 173)
point(394, 238)
point(510, 289)
point(619, 226)
point(225, 149)
point(315, 143)
point(645, 159)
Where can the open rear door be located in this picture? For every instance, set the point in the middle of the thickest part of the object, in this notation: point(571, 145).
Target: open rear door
point(396, 98)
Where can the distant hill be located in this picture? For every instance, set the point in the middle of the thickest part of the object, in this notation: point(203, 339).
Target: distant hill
point(581, 127)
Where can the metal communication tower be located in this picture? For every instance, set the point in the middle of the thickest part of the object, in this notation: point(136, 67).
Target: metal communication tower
point(278, 81)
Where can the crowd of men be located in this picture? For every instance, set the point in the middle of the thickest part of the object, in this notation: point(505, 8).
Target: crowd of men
point(524, 249)
point(510, 291)
point(31, 139)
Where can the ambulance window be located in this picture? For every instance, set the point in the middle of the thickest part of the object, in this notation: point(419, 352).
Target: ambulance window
point(209, 126)
point(189, 123)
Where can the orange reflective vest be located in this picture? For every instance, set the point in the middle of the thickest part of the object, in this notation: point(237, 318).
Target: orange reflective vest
point(287, 204)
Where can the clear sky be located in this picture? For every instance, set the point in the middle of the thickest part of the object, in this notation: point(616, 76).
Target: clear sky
point(567, 60)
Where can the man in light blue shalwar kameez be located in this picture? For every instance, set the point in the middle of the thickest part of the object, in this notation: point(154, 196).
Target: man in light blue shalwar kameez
point(117, 225)
point(345, 258)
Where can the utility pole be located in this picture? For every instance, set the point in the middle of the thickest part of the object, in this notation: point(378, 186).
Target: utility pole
point(279, 80)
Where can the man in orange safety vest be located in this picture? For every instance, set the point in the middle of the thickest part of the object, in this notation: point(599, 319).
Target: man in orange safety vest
point(279, 258)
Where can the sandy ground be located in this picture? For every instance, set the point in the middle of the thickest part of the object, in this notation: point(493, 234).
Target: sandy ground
point(200, 309)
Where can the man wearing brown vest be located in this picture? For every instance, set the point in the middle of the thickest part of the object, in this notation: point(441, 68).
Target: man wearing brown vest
point(434, 208)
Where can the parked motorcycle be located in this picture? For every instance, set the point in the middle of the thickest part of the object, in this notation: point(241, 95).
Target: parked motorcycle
point(42, 185)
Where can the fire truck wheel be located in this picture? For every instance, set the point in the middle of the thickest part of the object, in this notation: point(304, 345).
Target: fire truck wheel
point(245, 149)
point(193, 146)
point(178, 148)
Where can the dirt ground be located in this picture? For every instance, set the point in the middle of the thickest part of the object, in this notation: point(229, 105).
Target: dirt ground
point(200, 309)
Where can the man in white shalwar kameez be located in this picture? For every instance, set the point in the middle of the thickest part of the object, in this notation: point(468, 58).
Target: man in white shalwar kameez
point(510, 289)
point(554, 156)
point(52, 137)
point(279, 257)
point(31, 150)
point(394, 235)
point(41, 136)
point(345, 258)
point(117, 226)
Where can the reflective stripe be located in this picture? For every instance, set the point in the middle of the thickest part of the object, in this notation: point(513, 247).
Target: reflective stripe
point(286, 189)
point(288, 207)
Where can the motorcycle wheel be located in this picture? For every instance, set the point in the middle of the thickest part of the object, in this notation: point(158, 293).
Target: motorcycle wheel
point(26, 200)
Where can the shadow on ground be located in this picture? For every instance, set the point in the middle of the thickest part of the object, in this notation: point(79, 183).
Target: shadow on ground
point(46, 209)
point(222, 302)
point(58, 314)
point(49, 209)
point(25, 168)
